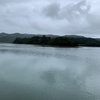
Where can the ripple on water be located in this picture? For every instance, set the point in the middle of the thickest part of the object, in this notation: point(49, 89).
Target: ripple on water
point(45, 73)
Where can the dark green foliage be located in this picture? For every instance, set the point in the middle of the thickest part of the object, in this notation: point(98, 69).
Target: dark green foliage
point(58, 41)
point(62, 41)
point(52, 40)
point(83, 41)
point(22, 40)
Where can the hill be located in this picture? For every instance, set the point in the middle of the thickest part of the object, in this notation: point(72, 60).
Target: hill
point(81, 40)
point(9, 38)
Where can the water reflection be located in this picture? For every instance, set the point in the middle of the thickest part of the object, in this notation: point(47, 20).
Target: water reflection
point(46, 73)
point(38, 51)
point(49, 77)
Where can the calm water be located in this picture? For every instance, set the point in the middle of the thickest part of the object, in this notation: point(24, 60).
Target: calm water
point(45, 73)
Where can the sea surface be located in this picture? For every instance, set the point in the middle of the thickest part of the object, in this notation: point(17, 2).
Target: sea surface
point(29, 72)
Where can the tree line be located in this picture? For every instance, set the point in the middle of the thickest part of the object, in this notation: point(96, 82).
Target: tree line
point(60, 41)
point(83, 41)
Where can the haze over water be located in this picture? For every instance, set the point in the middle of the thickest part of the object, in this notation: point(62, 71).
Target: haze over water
point(29, 72)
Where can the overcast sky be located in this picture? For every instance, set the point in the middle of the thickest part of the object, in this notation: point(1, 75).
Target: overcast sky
point(59, 17)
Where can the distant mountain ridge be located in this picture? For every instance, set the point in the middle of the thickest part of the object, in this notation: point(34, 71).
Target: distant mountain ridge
point(4, 36)
point(9, 38)
point(81, 40)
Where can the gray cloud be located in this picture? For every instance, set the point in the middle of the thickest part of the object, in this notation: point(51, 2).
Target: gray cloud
point(77, 17)
point(12, 1)
point(75, 11)
point(52, 10)
point(70, 12)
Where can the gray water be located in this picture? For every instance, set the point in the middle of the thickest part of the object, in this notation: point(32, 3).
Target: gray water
point(30, 72)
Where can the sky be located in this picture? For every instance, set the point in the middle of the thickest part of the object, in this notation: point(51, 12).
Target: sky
point(58, 17)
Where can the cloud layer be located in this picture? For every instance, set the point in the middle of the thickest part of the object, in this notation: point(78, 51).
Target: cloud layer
point(74, 17)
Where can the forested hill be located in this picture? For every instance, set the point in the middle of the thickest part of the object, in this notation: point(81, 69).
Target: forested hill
point(81, 40)
point(84, 41)
point(47, 41)
point(9, 38)
point(60, 41)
